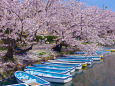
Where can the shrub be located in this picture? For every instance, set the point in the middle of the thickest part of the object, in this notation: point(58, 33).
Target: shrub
point(50, 39)
point(3, 48)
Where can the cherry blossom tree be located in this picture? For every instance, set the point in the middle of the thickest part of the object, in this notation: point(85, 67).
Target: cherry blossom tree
point(73, 22)
point(18, 24)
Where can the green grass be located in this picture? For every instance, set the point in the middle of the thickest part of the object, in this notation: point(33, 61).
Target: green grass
point(85, 43)
point(42, 53)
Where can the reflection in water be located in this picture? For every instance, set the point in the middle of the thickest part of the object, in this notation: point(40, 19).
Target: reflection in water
point(57, 84)
point(99, 74)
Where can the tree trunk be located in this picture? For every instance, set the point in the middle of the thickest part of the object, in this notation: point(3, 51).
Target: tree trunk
point(10, 51)
point(58, 48)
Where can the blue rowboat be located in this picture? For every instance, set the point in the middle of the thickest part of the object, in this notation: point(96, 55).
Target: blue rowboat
point(88, 61)
point(77, 58)
point(68, 62)
point(62, 61)
point(49, 70)
point(94, 58)
point(30, 80)
point(72, 69)
point(51, 77)
point(79, 52)
point(111, 50)
point(23, 84)
point(108, 49)
point(80, 61)
point(77, 66)
point(105, 48)
point(101, 52)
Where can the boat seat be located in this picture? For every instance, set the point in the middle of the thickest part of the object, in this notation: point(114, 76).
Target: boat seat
point(30, 80)
point(40, 74)
point(24, 80)
point(49, 76)
point(19, 75)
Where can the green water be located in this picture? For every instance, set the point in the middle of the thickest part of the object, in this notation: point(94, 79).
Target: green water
point(9, 82)
point(101, 74)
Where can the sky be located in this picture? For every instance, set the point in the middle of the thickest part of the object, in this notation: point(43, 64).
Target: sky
point(110, 4)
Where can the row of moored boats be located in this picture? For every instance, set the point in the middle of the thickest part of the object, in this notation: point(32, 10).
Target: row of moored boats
point(59, 70)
